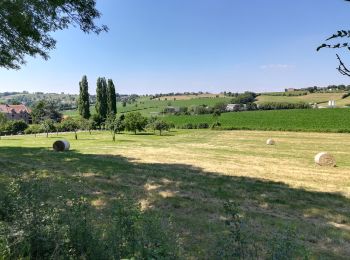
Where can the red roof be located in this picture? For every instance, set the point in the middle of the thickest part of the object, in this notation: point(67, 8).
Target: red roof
point(14, 108)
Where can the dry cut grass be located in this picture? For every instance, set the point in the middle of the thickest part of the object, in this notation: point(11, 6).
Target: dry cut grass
point(190, 174)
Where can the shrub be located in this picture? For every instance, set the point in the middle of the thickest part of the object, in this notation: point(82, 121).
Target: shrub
point(15, 127)
point(187, 126)
point(346, 95)
point(203, 125)
point(246, 97)
point(282, 105)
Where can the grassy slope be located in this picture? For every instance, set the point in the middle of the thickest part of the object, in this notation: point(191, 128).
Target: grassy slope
point(318, 120)
point(310, 98)
point(146, 106)
point(189, 174)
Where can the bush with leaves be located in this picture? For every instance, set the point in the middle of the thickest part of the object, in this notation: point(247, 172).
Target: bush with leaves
point(34, 129)
point(71, 125)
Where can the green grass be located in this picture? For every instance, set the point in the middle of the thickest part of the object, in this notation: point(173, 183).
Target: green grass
point(316, 120)
point(146, 106)
point(310, 98)
point(188, 175)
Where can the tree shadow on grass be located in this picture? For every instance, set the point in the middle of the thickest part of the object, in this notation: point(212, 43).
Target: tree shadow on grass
point(191, 196)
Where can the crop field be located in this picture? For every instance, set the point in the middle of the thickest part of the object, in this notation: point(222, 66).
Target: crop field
point(188, 175)
point(314, 120)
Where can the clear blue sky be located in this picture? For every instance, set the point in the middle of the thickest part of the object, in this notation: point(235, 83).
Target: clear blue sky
point(191, 45)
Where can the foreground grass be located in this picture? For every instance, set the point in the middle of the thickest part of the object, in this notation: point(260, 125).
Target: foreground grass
point(313, 120)
point(188, 175)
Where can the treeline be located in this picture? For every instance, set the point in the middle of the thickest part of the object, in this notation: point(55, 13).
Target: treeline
point(177, 94)
point(132, 122)
point(287, 94)
point(239, 102)
point(333, 88)
point(63, 101)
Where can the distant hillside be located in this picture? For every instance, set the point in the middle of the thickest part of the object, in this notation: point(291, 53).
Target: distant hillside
point(319, 98)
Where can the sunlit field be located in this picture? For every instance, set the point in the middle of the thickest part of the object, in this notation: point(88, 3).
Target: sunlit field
point(188, 175)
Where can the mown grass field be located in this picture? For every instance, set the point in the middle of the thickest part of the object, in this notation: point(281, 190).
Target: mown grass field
point(314, 120)
point(319, 98)
point(189, 174)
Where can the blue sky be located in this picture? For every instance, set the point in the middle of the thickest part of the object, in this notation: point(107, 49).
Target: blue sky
point(194, 45)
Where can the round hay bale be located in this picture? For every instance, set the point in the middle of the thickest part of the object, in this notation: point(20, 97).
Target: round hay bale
point(61, 145)
point(270, 142)
point(325, 159)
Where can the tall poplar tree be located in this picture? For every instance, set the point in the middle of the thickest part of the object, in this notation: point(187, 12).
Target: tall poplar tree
point(84, 100)
point(111, 98)
point(101, 98)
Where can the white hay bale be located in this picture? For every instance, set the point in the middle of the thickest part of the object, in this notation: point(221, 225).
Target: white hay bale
point(325, 159)
point(270, 142)
point(61, 145)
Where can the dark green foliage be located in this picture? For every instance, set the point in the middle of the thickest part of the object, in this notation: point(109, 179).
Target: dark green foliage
point(282, 105)
point(111, 98)
point(134, 122)
point(45, 110)
point(160, 125)
point(39, 223)
point(203, 126)
point(14, 127)
point(34, 129)
point(220, 106)
point(115, 124)
point(216, 114)
point(101, 99)
point(47, 126)
point(71, 125)
point(246, 97)
point(295, 93)
point(31, 23)
point(84, 99)
point(346, 95)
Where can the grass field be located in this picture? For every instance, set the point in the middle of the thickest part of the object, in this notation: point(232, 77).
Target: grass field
point(145, 106)
point(315, 120)
point(318, 98)
point(189, 174)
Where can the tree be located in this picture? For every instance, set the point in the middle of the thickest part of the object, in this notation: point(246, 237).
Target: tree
point(216, 115)
point(86, 124)
point(26, 26)
point(72, 125)
point(3, 122)
point(45, 110)
point(134, 122)
point(33, 129)
point(101, 98)
point(115, 124)
point(16, 126)
point(111, 98)
point(342, 68)
point(161, 125)
point(48, 126)
point(84, 99)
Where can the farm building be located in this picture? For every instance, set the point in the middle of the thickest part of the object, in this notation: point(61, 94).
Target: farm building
point(233, 107)
point(16, 112)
